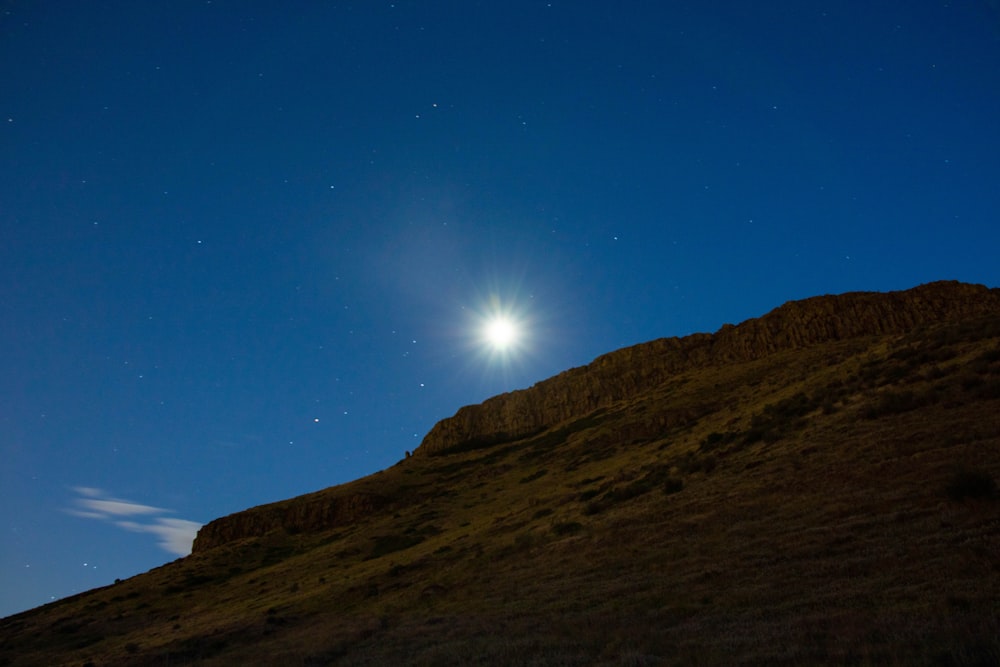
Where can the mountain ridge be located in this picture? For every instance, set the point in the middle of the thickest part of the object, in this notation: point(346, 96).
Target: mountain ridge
point(623, 373)
point(820, 503)
point(619, 375)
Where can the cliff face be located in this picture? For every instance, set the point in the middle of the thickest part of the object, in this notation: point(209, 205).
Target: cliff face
point(627, 372)
point(622, 375)
point(311, 513)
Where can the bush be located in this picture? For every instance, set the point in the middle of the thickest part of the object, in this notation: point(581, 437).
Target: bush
point(567, 528)
point(691, 462)
point(966, 483)
point(987, 390)
point(387, 544)
point(714, 440)
point(532, 477)
point(673, 485)
point(896, 402)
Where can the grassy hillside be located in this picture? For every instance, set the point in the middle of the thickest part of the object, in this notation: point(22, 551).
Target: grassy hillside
point(830, 504)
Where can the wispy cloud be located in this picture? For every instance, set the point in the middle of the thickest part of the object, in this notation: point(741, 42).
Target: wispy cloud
point(174, 535)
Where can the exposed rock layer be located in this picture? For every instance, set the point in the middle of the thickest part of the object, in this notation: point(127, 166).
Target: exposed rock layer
point(621, 375)
point(627, 372)
point(310, 513)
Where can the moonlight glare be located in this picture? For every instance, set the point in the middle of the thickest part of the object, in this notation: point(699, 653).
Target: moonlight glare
point(501, 332)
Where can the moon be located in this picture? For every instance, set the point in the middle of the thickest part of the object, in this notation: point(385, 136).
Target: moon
point(501, 333)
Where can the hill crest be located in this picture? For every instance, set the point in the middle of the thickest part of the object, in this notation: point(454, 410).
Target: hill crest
point(622, 374)
point(619, 376)
point(773, 499)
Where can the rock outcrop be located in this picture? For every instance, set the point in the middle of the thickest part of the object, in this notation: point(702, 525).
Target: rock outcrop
point(627, 372)
point(618, 376)
point(311, 513)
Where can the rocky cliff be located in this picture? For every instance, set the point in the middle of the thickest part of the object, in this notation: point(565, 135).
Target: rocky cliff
point(627, 372)
point(317, 511)
point(618, 376)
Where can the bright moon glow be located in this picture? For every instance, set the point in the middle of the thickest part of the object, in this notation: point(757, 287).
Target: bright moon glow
point(501, 333)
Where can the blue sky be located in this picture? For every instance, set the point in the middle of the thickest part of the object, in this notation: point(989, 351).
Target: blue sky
point(247, 248)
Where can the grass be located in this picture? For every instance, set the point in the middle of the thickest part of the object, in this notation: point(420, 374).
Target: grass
point(832, 505)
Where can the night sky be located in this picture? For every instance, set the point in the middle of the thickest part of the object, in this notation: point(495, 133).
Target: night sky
point(248, 248)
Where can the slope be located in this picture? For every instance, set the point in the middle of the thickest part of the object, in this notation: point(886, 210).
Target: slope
point(787, 498)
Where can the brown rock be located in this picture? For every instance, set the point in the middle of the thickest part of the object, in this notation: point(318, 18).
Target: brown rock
point(627, 372)
point(311, 513)
point(619, 376)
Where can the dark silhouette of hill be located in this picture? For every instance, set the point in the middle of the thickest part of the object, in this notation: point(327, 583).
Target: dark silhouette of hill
point(815, 486)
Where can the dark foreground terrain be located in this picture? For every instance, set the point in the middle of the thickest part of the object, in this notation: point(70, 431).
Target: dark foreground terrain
point(814, 486)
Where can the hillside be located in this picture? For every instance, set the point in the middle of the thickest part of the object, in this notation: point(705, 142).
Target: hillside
point(813, 486)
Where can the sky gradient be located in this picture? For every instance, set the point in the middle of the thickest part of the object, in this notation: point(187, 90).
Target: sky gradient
point(248, 249)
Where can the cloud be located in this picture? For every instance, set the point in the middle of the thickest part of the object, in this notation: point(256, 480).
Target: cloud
point(175, 535)
point(117, 507)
